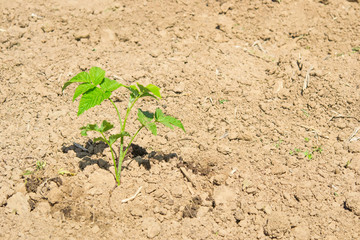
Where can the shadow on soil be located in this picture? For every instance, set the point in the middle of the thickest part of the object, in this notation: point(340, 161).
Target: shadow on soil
point(135, 152)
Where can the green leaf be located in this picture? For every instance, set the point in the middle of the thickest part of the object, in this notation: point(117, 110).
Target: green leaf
point(27, 172)
point(92, 98)
point(168, 121)
point(159, 117)
point(144, 117)
point(158, 114)
point(173, 121)
point(154, 89)
point(146, 91)
point(110, 85)
point(105, 126)
point(89, 127)
point(167, 124)
point(142, 88)
point(81, 77)
point(113, 138)
point(98, 139)
point(133, 89)
point(148, 95)
point(107, 95)
point(96, 75)
point(152, 127)
point(82, 88)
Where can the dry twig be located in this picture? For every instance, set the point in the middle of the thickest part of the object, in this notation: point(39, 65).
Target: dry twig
point(339, 115)
point(352, 136)
point(167, 190)
point(131, 198)
point(190, 189)
point(307, 78)
point(257, 43)
point(187, 175)
point(317, 132)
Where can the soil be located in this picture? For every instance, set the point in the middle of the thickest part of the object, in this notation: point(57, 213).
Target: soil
point(268, 92)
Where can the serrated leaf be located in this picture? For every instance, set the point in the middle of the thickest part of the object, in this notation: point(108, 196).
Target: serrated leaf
point(167, 124)
point(168, 121)
point(105, 126)
point(173, 121)
point(92, 98)
point(97, 75)
point(144, 117)
point(142, 88)
point(148, 95)
point(82, 88)
point(158, 114)
point(98, 139)
point(154, 89)
point(107, 95)
point(149, 91)
point(89, 127)
point(113, 138)
point(134, 90)
point(152, 127)
point(80, 77)
point(110, 85)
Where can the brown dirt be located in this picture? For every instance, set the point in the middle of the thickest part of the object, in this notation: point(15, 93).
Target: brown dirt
point(232, 71)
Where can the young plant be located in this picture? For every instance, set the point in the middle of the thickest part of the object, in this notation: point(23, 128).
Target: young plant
point(95, 88)
point(40, 165)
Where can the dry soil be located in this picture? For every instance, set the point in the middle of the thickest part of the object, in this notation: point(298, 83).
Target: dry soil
point(268, 92)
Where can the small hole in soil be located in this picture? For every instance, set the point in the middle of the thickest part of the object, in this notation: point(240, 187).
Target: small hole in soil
point(67, 212)
point(32, 204)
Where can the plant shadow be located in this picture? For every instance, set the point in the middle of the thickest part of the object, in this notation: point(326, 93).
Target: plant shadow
point(85, 153)
point(143, 158)
point(135, 152)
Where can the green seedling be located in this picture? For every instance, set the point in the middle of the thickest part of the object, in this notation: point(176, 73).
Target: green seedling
point(317, 149)
point(40, 165)
point(308, 154)
point(96, 88)
point(222, 101)
point(277, 145)
point(356, 49)
point(65, 172)
point(295, 151)
point(306, 139)
point(27, 172)
point(347, 163)
point(305, 112)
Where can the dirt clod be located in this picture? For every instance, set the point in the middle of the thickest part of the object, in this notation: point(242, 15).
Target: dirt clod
point(277, 225)
point(352, 203)
point(18, 204)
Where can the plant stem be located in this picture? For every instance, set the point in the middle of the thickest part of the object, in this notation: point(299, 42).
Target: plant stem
point(128, 112)
point(132, 139)
point(118, 113)
point(121, 158)
point(121, 151)
point(112, 155)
